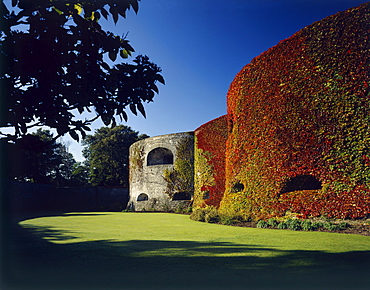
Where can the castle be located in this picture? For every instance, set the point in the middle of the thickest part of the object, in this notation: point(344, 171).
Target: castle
point(296, 137)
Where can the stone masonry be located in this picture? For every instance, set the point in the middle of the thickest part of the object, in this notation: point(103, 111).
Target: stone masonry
point(149, 158)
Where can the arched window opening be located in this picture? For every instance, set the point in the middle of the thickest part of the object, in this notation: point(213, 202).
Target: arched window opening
point(142, 197)
point(237, 187)
point(301, 182)
point(182, 196)
point(159, 156)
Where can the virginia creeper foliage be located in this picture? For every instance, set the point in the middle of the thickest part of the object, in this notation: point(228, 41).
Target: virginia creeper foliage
point(210, 145)
point(298, 127)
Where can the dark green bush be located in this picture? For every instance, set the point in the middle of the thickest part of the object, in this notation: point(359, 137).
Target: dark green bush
point(282, 226)
point(212, 215)
point(262, 224)
point(287, 222)
point(317, 225)
point(343, 225)
point(331, 227)
point(307, 225)
point(228, 219)
point(207, 214)
point(327, 225)
point(183, 209)
point(273, 223)
point(198, 215)
point(294, 224)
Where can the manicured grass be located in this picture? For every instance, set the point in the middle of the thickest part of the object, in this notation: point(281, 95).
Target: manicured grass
point(167, 251)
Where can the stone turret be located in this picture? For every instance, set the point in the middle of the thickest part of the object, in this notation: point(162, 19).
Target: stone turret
point(152, 164)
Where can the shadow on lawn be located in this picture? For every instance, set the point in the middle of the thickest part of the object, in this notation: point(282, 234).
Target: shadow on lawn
point(26, 216)
point(32, 262)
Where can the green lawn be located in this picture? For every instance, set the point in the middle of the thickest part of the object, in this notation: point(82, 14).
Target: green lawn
point(169, 251)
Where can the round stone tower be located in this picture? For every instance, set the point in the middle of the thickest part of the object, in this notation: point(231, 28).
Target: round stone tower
point(156, 165)
point(298, 122)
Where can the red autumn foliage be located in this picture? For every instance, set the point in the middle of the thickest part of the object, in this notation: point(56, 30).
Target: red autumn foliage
point(211, 137)
point(302, 108)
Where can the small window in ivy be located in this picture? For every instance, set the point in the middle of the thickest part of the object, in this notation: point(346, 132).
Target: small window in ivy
point(301, 182)
point(206, 194)
point(159, 156)
point(142, 197)
point(230, 124)
point(237, 187)
point(182, 196)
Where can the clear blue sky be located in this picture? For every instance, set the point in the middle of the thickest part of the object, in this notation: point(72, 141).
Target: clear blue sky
point(201, 45)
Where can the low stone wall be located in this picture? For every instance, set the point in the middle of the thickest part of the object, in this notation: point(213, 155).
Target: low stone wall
point(27, 198)
point(165, 205)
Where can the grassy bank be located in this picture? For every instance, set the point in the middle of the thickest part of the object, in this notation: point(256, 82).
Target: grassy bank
point(167, 251)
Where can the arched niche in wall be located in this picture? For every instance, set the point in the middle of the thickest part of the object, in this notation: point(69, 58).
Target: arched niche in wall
point(301, 182)
point(159, 156)
point(237, 187)
point(142, 197)
point(182, 196)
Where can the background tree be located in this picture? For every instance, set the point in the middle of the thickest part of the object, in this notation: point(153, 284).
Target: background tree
point(80, 174)
point(63, 64)
point(107, 155)
point(41, 159)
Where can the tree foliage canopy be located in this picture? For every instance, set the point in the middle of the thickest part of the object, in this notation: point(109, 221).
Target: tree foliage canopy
point(64, 63)
point(107, 155)
point(41, 159)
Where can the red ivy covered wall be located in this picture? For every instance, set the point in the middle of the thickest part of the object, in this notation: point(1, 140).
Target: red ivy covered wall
point(209, 167)
point(299, 134)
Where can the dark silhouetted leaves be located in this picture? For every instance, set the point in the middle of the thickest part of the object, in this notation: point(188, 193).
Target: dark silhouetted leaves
point(74, 135)
point(59, 66)
point(140, 107)
point(133, 109)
